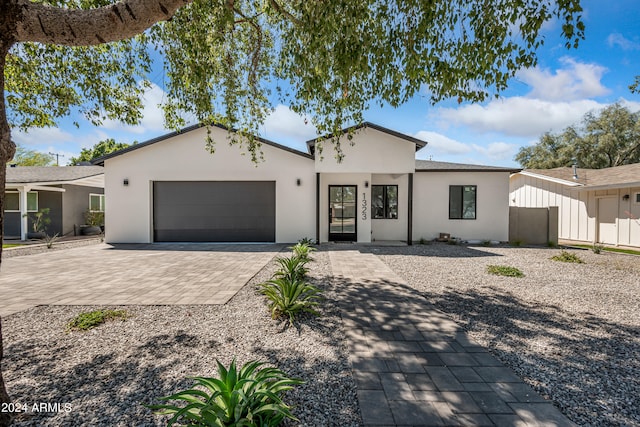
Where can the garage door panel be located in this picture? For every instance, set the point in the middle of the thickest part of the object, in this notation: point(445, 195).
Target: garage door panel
point(214, 211)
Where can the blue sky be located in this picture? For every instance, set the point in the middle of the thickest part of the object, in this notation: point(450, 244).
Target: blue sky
point(564, 86)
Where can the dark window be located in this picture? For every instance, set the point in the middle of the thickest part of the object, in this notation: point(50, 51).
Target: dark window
point(462, 202)
point(384, 201)
point(12, 202)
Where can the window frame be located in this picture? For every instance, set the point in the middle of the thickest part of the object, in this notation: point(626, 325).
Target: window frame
point(475, 202)
point(37, 201)
point(385, 203)
point(101, 202)
point(636, 198)
point(20, 201)
point(5, 201)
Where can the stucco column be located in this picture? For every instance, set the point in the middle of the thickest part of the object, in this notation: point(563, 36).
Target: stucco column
point(24, 220)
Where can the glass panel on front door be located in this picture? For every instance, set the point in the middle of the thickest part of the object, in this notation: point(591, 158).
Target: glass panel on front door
point(342, 212)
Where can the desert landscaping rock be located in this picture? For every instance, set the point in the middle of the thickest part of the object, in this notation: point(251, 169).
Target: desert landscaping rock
point(572, 331)
point(108, 373)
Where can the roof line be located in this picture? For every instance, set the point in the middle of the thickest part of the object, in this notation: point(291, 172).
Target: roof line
point(551, 179)
point(419, 143)
point(100, 160)
point(470, 170)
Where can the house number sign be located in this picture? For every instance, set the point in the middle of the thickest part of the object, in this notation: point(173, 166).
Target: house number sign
point(364, 205)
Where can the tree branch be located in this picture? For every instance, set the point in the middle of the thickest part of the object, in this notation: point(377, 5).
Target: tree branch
point(119, 21)
point(282, 11)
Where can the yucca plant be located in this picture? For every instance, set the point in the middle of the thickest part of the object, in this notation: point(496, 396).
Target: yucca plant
point(290, 297)
point(307, 241)
point(303, 250)
point(250, 397)
point(292, 268)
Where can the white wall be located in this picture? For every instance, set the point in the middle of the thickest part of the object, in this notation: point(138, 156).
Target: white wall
point(578, 210)
point(392, 229)
point(185, 158)
point(363, 213)
point(372, 151)
point(431, 205)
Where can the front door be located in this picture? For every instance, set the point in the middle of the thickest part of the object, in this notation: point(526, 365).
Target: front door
point(342, 213)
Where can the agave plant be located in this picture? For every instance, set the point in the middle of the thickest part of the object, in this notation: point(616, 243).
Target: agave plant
point(289, 297)
point(292, 268)
point(250, 397)
point(303, 250)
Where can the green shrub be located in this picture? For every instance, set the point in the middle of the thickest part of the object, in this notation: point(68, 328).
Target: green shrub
point(597, 248)
point(307, 241)
point(516, 242)
point(89, 320)
point(303, 251)
point(50, 240)
point(250, 397)
point(565, 256)
point(94, 218)
point(292, 268)
point(504, 270)
point(290, 297)
point(486, 243)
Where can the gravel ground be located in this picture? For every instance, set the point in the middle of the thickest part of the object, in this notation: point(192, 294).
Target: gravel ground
point(106, 374)
point(36, 248)
point(572, 331)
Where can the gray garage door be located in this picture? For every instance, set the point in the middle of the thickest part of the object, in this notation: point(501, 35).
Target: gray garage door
point(214, 211)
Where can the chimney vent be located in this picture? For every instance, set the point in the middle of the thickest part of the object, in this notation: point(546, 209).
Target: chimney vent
point(575, 171)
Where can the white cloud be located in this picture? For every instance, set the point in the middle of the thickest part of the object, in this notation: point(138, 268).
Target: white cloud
point(617, 39)
point(40, 136)
point(284, 123)
point(152, 114)
point(497, 150)
point(442, 147)
point(631, 105)
point(519, 116)
point(440, 144)
point(575, 81)
point(556, 100)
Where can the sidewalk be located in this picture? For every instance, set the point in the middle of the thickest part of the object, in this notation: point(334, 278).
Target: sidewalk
point(415, 367)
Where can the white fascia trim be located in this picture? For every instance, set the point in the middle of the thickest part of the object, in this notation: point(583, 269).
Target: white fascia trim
point(89, 181)
point(32, 187)
point(614, 186)
point(548, 178)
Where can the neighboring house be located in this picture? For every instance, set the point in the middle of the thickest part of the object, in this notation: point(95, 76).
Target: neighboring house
point(68, 191)
point(594, 205)
point(172, 189)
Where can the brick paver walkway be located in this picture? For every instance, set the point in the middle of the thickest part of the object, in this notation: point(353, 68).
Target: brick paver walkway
point(415, 367)
point(105, 274)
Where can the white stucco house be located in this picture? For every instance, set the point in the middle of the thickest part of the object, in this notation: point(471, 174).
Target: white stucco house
point(594, 205)
point(172, 189)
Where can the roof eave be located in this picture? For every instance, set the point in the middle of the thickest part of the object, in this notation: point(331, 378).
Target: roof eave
point(99, 161)
point(551, 179)
point(510, 171)
point(612, 186)
point(418, 142)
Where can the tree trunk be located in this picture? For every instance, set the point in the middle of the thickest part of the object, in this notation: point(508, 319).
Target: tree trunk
point(7, 150)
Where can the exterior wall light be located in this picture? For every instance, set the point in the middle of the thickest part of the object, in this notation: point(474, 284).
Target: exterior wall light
point(298, 182)
point(125, 182)
point(625, 197)
point(366, 184)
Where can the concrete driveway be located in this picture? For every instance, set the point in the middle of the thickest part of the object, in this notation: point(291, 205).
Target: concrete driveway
point(155, 274)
